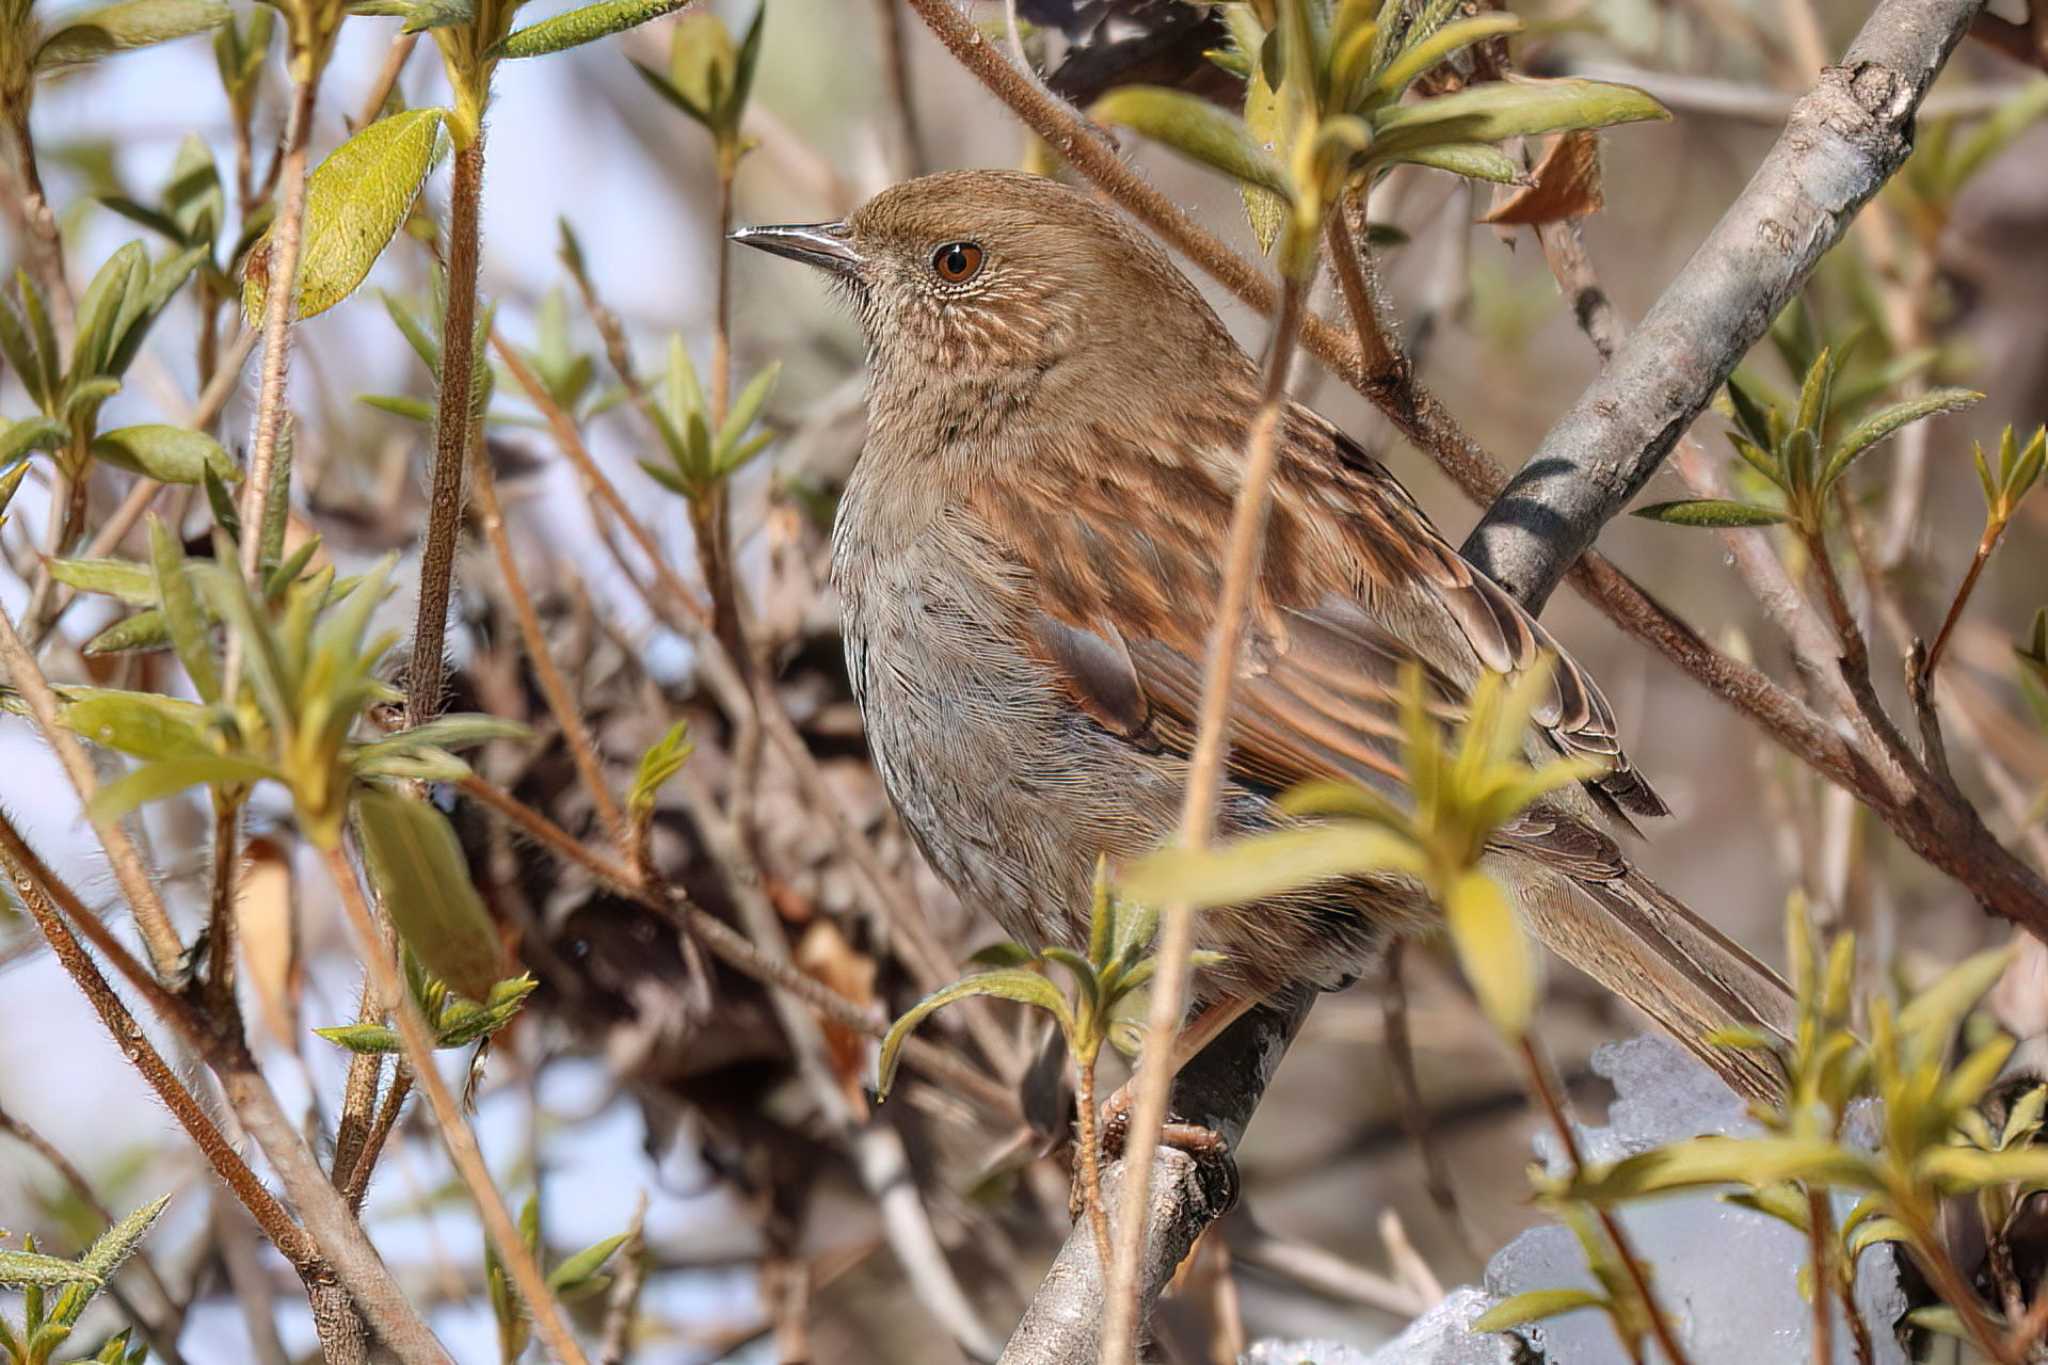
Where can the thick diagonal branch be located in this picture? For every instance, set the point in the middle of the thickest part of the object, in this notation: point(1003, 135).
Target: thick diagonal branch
point(1844, 140)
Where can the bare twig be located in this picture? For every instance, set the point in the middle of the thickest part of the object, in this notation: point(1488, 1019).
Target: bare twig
point(158, 934)
point(561, 701)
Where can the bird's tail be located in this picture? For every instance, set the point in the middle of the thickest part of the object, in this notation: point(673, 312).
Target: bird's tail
point(1641, 943)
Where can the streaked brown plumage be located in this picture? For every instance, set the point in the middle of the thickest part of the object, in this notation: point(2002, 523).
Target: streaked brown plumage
point(1028, 556)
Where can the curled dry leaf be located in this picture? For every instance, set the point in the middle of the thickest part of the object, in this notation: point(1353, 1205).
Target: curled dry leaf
point(268, 935)
point(1564, 185)
point(824, 954)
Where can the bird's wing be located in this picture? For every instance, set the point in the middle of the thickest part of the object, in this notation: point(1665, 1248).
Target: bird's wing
point(1355, 584)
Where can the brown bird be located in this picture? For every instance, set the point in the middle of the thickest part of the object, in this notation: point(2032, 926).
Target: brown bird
point(1028, 557)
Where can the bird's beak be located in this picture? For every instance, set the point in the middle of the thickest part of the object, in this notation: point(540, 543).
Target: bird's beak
point(828, 246)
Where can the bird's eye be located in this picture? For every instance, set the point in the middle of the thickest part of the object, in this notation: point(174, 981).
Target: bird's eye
point(957, 262)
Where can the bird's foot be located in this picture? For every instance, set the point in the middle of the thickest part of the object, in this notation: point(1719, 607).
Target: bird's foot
point(1210, 1149)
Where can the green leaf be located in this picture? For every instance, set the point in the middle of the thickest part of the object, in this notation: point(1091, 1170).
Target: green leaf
point(355, 202)
point(745, 409)
point(1493, 950)
point(398, 405)
point(100, 306)
point(144, 630)
point(585, 25)
point(182, 617)
point(1535, 1306)
point(1197, 130)
point(1260, 866)
point(1958, 1170)
point(662, 761)
point(668, 91)
point(1025, 987)
point(167, 777)
point(118, 578)
point(141, 724)
point(20, 352)
point(105, 1256)
point(419, 868)
point(165, 453)
point(1752, 1162)
point(33, 1267)
point(30, 434)
point(465, 730)
point(367, 1039)
point(1431, 51)
point(1931, 1018)
point(1750, 414)
point(1515, 107)
point(1002, 954)
point(576, 1271)
point(10, 484)
point(1474, 160)
point(1994, 134)
point(115, 28)
point(1722, 512)
point(419, 15)
point(1883, 423)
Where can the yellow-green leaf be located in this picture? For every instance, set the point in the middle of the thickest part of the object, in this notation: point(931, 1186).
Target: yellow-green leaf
point(1012, 983)
point(355, 202)
point(1263, 865)
point(1493, 950)
point(1196, 129)
point(1535, 1306)
point(115, 28)
point(419, 869)
point(166, 453)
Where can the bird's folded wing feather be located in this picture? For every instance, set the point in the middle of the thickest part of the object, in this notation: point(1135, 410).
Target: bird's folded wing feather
point(1122, 608)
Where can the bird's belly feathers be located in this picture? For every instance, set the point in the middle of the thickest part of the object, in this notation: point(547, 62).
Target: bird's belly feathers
point(1013, 793)
point(1010, 793)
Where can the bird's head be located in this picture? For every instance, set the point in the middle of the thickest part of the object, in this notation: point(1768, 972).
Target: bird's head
point(989, 279)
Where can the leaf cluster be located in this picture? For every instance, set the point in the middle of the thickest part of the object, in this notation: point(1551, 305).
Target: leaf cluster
point(1459, 794)
point(1797, 449)
point(47, 1326)
point(699, 460)
point(709, 77)
point(1325, 112)
point(115, 313)
point(577, 1276)
point(1108, 982)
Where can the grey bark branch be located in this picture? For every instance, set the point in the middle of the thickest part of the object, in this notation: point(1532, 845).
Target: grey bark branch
point(1844, 140)
point(1219, 1090)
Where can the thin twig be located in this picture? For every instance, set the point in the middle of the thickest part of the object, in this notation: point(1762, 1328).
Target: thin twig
point(1545, 1090)
point(290, 1240)
point(1820, 1231)
point(280, 302)
point(561, 701)
point(910, 152)
point(1242, 557)
point(461, 1143)
point(622, 1304)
